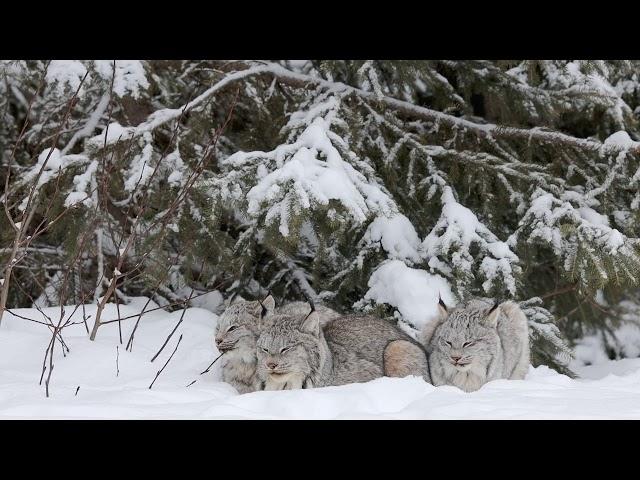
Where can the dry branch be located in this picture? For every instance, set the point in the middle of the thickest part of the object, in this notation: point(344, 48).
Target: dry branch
point(167, 362)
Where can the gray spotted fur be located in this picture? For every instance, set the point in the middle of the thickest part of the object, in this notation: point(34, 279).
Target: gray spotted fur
point(303, 308)
point(349, 349)
point(237, 331)
point(490, 345)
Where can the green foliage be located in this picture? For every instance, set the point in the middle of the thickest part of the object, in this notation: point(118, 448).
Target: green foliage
point(517, 142)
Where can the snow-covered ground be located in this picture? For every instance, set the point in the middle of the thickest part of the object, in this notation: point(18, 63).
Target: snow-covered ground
point(608, 389)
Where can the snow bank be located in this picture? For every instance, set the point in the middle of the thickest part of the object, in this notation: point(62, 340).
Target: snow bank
point(114, 383)
point(212, 301)
point(624, 341)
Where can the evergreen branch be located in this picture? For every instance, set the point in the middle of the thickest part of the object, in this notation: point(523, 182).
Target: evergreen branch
point(296, 79)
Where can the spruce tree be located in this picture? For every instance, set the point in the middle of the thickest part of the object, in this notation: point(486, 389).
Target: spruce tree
point(371, 185)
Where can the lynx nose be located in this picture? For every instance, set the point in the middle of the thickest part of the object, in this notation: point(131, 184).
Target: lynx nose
point(272, 365)
point(218, 341)
point(455, 358)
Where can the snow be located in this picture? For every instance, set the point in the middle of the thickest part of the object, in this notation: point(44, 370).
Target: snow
point(176, 166)
point(412, 291)
point(65, 75)
point(114, 132)
point(573, 78)
point(623, 341)
point(140, 170)
point(308, 172)
point(589, 351)
point(609, 390)
point(547, 214)
point(591, 216)
point(615, 240)
point(53, 161)
point(396, 235)
point(82, 184)
point(451, 239)
point(609, 368)
point(212, 301)
point(622, 140)
point(129, 78)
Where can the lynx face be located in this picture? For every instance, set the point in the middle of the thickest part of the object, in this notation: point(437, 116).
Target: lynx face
point(467, 339)
point(238, 327)
point(289, 349)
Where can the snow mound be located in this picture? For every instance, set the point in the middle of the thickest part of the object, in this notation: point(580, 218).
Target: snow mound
point(414, 292)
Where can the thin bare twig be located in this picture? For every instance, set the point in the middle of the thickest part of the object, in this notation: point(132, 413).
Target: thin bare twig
point(560, 291)
point(209, 367)
point(172, 304)
point(167, 363)
point(184, 310)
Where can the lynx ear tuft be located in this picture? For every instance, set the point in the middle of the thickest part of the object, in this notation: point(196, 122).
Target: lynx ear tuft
point(311, 324)
point(442, 308)
point(442, 304)
point(493, 314)
point(234, 298)
point(263, 310)
point(268, 304)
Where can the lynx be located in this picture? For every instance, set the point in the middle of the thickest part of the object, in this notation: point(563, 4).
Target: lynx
point(238, 329)
point(295, 352)
point(236, 333)
point(477, 343)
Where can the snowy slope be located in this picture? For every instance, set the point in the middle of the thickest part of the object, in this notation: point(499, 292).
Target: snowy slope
point(606, 390)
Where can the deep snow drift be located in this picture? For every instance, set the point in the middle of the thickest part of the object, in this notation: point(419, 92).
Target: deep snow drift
point(120, 390)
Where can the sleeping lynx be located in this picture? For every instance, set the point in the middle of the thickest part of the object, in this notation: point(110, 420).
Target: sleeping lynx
point(477, 343)
point(295, 352)
point(237, 331)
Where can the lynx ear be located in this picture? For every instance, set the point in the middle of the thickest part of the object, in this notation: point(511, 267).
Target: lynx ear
point(311, 324)
point(268, 305)
point(235, 298)
point(492, 315)
point(442, 308)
